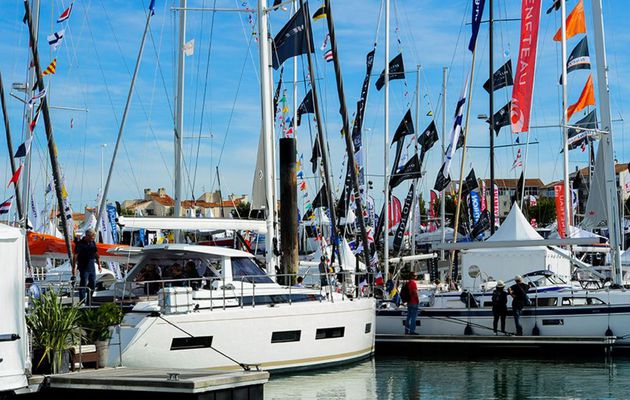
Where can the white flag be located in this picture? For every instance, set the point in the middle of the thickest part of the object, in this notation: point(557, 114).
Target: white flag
point(55, 39)
point(189, 48)
point(456, 131)
point(34, 214)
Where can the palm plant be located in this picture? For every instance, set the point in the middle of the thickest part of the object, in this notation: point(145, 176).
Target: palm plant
point(96, 321)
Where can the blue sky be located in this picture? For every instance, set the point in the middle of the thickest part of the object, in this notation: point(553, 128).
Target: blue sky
point(95, 61)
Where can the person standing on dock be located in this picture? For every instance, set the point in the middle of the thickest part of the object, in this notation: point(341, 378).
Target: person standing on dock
point(412, 304)
point(85, 256)
point(518, 291)
point(499, 306)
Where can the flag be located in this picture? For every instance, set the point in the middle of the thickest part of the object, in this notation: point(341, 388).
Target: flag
point(475, 205)
point(51, 68)
point(501, 118)
point(395, 212)
point(325, 42)
point(442, 180)
point(582, 131)
point(36, 97)
point(31, 126)
point(292, 39)
point(517, 162)
point(360, 113)
point(404, 128)
point(16, 176)
point(576, 23)
point(428, 138)
point(532, 201)
point(484, 206)
point(555, 6)
point(316, 154)
point(305, 107)
point(410, 170)
point(71, 123)
point(587, 98)
point(396, 71)
point(320, 13)
point(321, 199)
point(477, 12)
point(5, 206)
point(328, 56)
point(524, 79)
point(402, 225)
point(501, 77)
point(276, 95)
point(579, 57)
point(55, 39)
point(495, 204)
point(66, 14)
point(470, 183)
point(152, 7)
point(189, 48)
point(24, 148)
point(518, 140)
point(483, 224)
point(560, 214)
point(519, 187)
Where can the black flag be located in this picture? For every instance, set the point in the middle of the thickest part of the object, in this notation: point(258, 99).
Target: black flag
point(501, 118)
point(579, 57)
point(410, 170)
point(396, 71)
point(404, 128)
point(470, 183)
point(555, 6)
point(291, 41)
point(305, 107)
point(580, 135)
point(441, 182)
point(400, 231)
point(321, 199)
point(428, 138)
point(460, 140)
point(482, 225)
point(519, 188)
point(501, 77)
point(358, 119)
point(315, 155)
point(578, 182)
point(276, 95)
point(477, 12)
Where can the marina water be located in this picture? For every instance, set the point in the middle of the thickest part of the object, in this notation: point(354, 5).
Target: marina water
point(395, 377)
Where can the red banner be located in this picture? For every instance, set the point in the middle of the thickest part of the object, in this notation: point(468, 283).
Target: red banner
point(432, 202)
point(483, 196)
point(395, 212)
point(526, 66)
point(559, 194)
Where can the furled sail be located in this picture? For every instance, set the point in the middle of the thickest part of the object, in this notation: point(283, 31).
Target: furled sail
point(259, 197)
point(595, 212)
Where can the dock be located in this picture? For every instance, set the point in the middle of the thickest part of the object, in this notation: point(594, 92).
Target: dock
point(159, 383)
point(550, 346)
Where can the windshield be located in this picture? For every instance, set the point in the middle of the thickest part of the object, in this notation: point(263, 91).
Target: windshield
point(246, 270)
point(174, 267)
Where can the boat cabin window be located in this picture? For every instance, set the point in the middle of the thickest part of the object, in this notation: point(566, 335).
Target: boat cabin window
point(165, 268)
point(582, 301)
point(546, 301)
point(245, 269)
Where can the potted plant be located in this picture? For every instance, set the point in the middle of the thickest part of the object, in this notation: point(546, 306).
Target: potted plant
point(95, 323)
point(54, 328)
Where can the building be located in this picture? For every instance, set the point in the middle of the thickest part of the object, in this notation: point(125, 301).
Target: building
point(157, 204)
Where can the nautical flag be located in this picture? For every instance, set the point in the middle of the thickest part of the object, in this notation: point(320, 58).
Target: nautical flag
point(24, 148)
point(189, 48)
point(501, 78)
point(36, 97)
point(305, 107)
point(325, 42)
point(400, 231)
point(579, 58)
point(31, 126)
point(320, 13)
point(321, 199)
point(428, 138)
point(483, 224)
point(582, 131)
point(16, 176)
point(51, 68)
point(55, 39)
point(555, 6)
point(315, 155)
point(477, 12)
point(517, 162)
point(443, 177)
point(396, 71)
point(152, 7)
point(276, 96)
point(71, 123)
point(429, 113)
point(587, 98)
point(404, 128)
point(576, 23)
point(328, 56)
point(5, 206)
point(410, 170)
point(291, 41)
point(501, 118)
point(66, 14)
point(470, 183)
point(518, 140)
point(302, 186)
point(519, 187)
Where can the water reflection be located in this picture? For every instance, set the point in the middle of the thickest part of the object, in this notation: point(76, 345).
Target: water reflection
point(409, 378)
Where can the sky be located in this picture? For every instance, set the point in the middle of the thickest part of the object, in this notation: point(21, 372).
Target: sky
point(222, 91)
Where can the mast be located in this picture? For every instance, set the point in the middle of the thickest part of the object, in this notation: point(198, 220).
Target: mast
point(267, 127)
point(606, 141)
point(179, 111)
point(442, 194)
point(385, 214)
point(413, 227)
point(348, 134)
point(493, 217)
point(565, 122)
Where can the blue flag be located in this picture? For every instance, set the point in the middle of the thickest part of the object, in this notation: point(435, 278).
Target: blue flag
point(477, 12)
point(152, 7)
point(475, 202)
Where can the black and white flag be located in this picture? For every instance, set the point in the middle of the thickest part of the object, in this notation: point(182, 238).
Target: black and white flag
point(396, 71)
point(404, 128)
point(579, 57)
point(402, 225)
point(501, 77)
point(501, 118)
point(305, 107)
point(428, 138)
point(358, 119)
point(292, 39)
point(582, 132)
point(55, 39)
point(411, 170)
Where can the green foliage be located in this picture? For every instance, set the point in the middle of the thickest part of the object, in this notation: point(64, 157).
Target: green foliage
point(54, 327)
point(96, 321)
point(544, 211)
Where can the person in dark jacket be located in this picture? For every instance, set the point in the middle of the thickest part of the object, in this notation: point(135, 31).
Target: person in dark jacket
point(499, 306)
point(85, 258)
point(518, 291)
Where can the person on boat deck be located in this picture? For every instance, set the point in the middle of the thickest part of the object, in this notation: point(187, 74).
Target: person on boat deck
point(412, 305)
point(499, 306)
point(85, 256)
point(323, 262)
point(450, 284)
point(518, 291)
point(300, 282)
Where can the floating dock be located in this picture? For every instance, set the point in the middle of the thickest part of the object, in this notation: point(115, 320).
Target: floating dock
point(158, 383)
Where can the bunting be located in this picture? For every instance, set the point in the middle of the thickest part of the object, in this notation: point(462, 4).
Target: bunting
point(517, 161)
point(65, 14)
point(51, 68)
point(24, 148)
point(33, 122)
point(5, 206)
point(36, 97)
point(320, 13)
point(56, 38)
point(305, 107)
point(16, 176)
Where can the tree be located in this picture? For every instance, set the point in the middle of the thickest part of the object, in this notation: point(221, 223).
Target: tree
point(544, 211)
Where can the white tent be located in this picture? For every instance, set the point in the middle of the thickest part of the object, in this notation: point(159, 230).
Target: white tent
point(505, 263)
point(12, 319)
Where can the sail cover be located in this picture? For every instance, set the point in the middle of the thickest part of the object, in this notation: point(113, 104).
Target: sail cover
point(595, 212)
point(259, 198)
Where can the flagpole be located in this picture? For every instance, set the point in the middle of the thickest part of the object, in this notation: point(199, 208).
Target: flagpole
point(565, 144)
point(413, 227)
point(493, 217)
point(385, 214)
point(442, 193)
point(52, 147)
point(105, 190)
point(179, 113)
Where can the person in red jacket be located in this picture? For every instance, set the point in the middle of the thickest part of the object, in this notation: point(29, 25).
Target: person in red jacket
point(412, 304)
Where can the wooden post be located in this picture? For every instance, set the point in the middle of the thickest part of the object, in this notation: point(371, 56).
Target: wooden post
point(288, 211)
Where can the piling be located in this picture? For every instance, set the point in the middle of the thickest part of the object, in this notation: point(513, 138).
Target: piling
point(288, 211)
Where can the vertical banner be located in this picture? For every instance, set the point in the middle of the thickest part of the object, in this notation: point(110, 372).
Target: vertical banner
point(477, 12)
point(432, 203)
point(395, 211)
point(526, 66)
point(496, 205)
point(475, 203)
point(400, 231)
point(484, 206)
point(112, 215)
point(562, 221)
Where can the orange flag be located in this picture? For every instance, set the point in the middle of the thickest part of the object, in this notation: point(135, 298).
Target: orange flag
point(587, 98)
point(576, 23)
